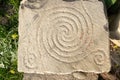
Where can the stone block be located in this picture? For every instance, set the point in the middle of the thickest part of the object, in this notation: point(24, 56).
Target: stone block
point(63, 36)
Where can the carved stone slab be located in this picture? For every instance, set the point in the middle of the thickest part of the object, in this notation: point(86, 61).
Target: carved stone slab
point(63, 36)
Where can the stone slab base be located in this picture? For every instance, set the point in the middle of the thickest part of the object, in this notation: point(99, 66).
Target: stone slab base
point(60, 77)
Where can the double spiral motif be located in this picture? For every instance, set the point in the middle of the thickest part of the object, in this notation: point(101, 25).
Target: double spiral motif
point(66, 33)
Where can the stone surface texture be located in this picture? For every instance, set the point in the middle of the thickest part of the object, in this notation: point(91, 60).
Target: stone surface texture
point(58, 77)
point(63, 36)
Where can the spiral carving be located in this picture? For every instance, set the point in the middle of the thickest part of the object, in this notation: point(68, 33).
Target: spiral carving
point(99, 57)
point(30, 60)
point(66, 33)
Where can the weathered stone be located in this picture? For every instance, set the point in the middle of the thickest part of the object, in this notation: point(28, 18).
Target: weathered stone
point(58, 77)
point(62, 36)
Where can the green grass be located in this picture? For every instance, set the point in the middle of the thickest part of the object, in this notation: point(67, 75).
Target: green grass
point(9, 40)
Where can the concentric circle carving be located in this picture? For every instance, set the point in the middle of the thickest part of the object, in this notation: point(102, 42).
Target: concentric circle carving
point(66, 33)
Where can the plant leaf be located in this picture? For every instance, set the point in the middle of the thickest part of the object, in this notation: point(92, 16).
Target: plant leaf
point(109, 3)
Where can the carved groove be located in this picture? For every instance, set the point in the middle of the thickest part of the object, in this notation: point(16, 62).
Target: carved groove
point(66, 33)
point(30, 60)
point(99, 57)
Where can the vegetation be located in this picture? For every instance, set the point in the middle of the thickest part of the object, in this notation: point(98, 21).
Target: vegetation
point(9, 37)
point(109, 3)
point(9, 40)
